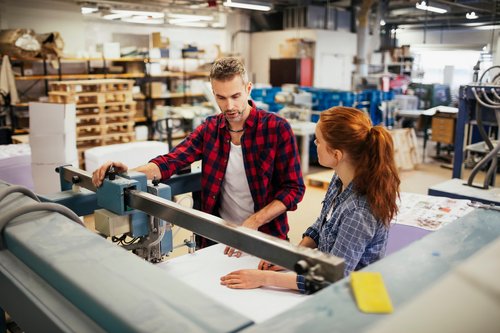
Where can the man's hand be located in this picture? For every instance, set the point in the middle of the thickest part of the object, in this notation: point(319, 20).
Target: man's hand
point(252, 222)
point(100, 173)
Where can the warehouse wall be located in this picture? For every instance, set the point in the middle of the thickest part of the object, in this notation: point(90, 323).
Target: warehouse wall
point(45, 16)
point(266, 46)
point(80, 33)
point(237, 37)
point(334, 53)
point(459, 50)
point(100, 31)
point(467, 39)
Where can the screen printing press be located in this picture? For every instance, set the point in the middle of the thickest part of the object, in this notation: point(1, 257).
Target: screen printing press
point(56, 276)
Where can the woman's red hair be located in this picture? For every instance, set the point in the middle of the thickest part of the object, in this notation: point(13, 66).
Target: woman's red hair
point(371, 151)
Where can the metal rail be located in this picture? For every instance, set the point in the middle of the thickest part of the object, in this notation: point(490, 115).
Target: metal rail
point(251, 241)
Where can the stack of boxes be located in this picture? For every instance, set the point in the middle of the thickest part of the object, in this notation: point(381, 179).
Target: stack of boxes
point(53, 143)
point(105, 111)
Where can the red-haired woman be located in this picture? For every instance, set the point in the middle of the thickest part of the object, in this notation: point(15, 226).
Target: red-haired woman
point(358, 206)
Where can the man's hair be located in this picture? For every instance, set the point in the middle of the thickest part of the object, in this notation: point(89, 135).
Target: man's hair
point(225, 69)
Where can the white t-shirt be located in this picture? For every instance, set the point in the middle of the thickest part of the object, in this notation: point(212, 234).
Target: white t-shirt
point(236, 200)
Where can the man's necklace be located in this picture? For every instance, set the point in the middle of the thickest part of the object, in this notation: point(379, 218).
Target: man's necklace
point(235, 131)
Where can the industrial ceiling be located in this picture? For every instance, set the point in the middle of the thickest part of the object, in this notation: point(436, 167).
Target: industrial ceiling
point(395, 13)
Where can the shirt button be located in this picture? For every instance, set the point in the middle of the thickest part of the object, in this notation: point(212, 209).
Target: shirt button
point(220, 179)
point(213, 196)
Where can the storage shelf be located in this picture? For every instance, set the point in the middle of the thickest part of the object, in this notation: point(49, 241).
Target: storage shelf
point(44, 73)
point(80, 76)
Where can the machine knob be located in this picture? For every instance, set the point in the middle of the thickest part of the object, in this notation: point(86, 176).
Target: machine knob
point(155, 181)
point(111, 173)
point(75, 179)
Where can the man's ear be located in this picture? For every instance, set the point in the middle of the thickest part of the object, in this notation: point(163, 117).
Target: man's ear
point(249, 87)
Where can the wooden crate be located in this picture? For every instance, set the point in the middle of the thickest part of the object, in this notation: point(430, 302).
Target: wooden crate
point(406, 152)
point(105, 111)
point(85, 99)
point(82, 86)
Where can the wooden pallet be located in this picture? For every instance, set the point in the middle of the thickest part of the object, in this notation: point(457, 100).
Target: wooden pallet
point(406, 154)
point(91, 98)
point(105, 111)
point(320, 179)
point(81, 86)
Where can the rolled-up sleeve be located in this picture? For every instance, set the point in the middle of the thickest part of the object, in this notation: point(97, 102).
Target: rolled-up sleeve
point(182, 155)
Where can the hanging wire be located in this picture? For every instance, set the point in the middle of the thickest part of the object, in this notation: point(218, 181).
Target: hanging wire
point(482, 99)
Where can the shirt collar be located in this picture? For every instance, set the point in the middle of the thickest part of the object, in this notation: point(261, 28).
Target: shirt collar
point(347, 190)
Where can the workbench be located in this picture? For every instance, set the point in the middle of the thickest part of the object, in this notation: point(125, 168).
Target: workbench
point(57, 276)
point(407, 274)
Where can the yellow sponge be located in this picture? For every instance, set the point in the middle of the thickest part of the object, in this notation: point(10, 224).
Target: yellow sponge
point(370, 293)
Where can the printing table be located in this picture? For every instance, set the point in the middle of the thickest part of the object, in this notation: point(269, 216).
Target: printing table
point(407, 274)
point(458, 188)
point(57, 276)
point(202, 271)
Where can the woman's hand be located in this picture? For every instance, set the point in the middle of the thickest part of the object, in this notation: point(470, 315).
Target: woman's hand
point(231, 251)
point(267, 266)
point(245, 279)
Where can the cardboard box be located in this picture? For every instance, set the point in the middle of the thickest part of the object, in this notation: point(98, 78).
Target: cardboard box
point(132, 154)
point(45, 177)
point(51, 118)
point(58, 148)
point(156, 89)
point(405, 50)
point(297, 48)
point(155, 40)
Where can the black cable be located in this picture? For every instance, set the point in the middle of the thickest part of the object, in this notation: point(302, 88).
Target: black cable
point(35, 207)
point(493, 150)
point(130, 242)
point(18, 189)
point(486, 71)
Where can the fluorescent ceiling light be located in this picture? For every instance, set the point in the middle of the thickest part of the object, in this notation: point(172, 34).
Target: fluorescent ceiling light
point(423, 6)
point(126, 13)
point(135, 16)
point(190, 24)
point(113, 16)
point(89, 10)
point(143, 19)
point(471, 16)
point(488, 27)
point(245, 5)
point(190, 18)
point(180, 20)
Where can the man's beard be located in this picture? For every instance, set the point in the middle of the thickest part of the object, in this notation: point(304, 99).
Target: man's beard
point(234, 113)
